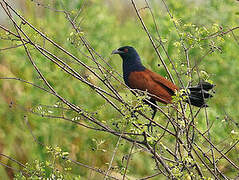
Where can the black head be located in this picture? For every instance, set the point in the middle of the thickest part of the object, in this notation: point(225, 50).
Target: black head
point(131, 61)
point(126, 52)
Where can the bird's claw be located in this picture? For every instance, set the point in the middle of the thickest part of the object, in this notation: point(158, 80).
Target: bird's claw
point(150, 127)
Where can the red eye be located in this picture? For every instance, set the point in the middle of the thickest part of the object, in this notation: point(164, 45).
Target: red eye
point(126, 50)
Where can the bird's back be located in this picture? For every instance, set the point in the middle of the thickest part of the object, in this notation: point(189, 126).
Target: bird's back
point(160, 88)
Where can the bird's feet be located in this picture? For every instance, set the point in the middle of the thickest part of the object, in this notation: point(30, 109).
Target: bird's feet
point(150, 127)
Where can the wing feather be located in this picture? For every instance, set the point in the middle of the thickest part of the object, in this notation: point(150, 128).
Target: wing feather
point(161, 88)
point(163, 82)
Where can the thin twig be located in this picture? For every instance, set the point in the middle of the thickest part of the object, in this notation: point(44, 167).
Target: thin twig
point(128, 159)
point(152, 42)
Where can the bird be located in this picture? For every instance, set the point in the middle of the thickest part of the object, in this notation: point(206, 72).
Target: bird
point(137, 76)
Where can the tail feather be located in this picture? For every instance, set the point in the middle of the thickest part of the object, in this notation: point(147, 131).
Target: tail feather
point(198, 94)
point(202, 85)
point(201, 93)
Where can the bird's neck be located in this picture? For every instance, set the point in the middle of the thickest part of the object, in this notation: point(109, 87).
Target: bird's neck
point(129, 66)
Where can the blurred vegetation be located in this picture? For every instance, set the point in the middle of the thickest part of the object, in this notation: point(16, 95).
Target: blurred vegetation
point(109, 24)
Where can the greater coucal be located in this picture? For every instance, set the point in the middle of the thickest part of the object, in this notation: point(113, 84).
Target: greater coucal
point(136, 76)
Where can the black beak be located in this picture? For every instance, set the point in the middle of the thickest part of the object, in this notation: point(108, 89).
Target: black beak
point(117, 52)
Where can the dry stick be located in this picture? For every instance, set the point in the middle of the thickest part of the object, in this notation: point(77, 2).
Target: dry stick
point(12, 47)
point(127, 163)
point(149, 177)
point(220, 33)
point(210, 161)
point(196, 164)
point(159, 125)
point(159, 158)
point(205, 164)
point(208, 126)
point(9, 167)
point(96, 122)
point(9, 39)
point(108, 71)
point(14, 160)
point(37, 69)
point(73, 72)
point(218, 159)
point(91, 48)
point(156, 161)
point(41, 75)
point(92, 168)
point(47, 6)
point(196, 114)
point(18, 162)
point(202, 134)
point(177, 150)
point(58, 46)
point(30, 129)
point(162, 45)
point(73, 161)
point(120, 75)
point(232, 163)
point(50, 116)
point(188, 71)
point(75, 108)
point(64, 118)
point(155, 144)
point(80, 10)
point(27, 82)
point(166, 148)
point(76, 75)
point(30, 58)
point(63, 67)
point(200, 60)
point(7, 30)
point(181, 40)
point(235, 38)
point(223, 155)
point(151, 40)
point(177, 144)
point(108, 84)
point(108, 94)
point(112, 159)
point(55, 106)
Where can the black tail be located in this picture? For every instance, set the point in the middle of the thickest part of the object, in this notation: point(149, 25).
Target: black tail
point(198, 94)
